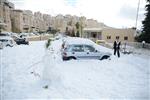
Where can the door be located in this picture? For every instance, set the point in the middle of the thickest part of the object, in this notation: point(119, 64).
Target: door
point(91, 52)
point(77, 51)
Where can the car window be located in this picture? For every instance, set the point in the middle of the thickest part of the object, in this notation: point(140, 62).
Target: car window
point(89, 48)
point(67, 47)
point(4, 40)
point(77, 48)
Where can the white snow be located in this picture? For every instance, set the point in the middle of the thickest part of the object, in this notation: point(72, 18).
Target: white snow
point(26, 70)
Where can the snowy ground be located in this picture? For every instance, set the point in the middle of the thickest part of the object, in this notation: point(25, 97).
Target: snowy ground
point(32, 72)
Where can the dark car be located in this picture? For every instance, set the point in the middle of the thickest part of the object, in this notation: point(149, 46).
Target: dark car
point(21, 41)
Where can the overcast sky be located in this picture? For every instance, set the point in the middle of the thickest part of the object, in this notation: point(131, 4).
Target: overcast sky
point(114, 13)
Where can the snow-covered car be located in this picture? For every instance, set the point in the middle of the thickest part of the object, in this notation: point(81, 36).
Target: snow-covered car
point(4, 34)
point(7, 41)
point(79, 48)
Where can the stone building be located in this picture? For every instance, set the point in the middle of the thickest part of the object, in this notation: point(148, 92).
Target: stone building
point(60, 23)
point(5, 14)
point(39, 24)
point(110, 34)
point(28, 21)
point(91, 23)
point(48, 21)
point(17, 21)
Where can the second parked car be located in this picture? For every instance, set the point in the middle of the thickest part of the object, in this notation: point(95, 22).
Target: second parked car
point(6, 41)
point(21, 41)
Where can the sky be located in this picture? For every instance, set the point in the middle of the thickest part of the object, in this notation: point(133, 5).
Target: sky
point(113, 13)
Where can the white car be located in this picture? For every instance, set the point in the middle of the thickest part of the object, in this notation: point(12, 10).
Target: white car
point(6, 41)
point(79, 48)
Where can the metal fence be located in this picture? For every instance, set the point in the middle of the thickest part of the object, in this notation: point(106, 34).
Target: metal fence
point(132, 47)
point(137, 45)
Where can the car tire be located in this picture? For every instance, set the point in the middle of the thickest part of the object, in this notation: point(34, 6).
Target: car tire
point(68, 58)
point(8, 45)
point(105, 57)
point(72, 58)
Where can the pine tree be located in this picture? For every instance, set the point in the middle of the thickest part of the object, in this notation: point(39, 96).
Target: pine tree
point(145, 36)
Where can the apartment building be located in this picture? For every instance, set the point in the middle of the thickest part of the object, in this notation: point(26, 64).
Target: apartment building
point(17, 21)
point(25, 21)
point(28, 21)
point(5, 14)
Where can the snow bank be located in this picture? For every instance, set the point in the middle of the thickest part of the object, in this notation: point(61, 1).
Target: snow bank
point(124, 78)
point(116, 78)
point(51, 72)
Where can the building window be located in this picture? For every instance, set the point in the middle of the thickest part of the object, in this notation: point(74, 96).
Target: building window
point(108, 37)
point(117, 37)
point(24, 20)
point(125, 38)
point(94, 35)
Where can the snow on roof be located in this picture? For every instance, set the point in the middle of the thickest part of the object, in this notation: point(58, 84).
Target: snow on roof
point(92, 29)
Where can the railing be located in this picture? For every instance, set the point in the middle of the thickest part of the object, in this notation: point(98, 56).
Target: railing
point(132, 47)
point(137, 45)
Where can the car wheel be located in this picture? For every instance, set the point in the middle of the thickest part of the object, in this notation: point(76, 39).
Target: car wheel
point(72, 58)
point(8, 45)
point(105, 57)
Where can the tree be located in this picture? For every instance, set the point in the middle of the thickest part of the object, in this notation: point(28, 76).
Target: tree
point(73, 33)
point(67, 31)
point(145, 36)
point(77, 27)
point(53, 30)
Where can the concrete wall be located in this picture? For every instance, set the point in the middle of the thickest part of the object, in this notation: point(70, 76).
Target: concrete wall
point(39, 38)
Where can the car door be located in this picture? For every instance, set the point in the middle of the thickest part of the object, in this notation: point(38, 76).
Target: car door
point(91, 52)
point(77, 51)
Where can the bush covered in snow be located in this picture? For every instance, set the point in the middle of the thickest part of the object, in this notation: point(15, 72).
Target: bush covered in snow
point(48, 43)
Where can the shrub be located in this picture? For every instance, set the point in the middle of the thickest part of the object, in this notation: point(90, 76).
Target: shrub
point(48, 43)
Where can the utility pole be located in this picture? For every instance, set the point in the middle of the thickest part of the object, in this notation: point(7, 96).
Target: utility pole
point(137, 14)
